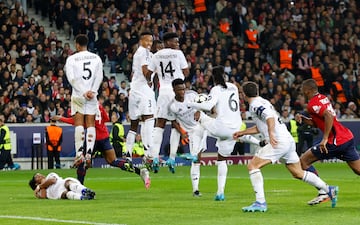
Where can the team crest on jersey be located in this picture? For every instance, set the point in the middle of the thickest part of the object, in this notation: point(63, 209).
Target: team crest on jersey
point(316, 108)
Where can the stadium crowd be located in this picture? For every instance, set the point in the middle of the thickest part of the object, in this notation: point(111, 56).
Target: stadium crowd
point(275, 43)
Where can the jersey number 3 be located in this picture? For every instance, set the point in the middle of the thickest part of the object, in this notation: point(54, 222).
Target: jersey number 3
point(87, 72)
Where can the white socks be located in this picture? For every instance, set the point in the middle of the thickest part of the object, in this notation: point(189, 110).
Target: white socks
point(249, 139)
point(315, 181)
point(174, 143)
point(195, 176)
point(257, 182)
point(73, 195)
point(146, 132)
point(90, 139)
point(221, 179)
point(130, 140)
point(76, 187)
point(157, 139)
point(79, 137)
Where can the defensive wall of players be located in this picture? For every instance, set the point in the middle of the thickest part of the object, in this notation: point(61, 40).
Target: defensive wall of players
point(28, 141)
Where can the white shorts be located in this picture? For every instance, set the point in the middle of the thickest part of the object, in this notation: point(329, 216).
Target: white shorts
point(197, 140)
point(55, 191)
point(222, 133)
point(83, 106)
point(141, 103)
point(285, 151)
point(162, 105)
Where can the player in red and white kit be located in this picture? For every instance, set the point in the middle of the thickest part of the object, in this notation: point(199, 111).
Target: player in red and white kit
point(337, 140)
point(102, 144)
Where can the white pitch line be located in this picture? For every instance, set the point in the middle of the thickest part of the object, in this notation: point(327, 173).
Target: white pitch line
point(55, 220)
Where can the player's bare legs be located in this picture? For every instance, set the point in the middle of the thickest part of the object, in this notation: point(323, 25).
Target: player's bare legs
point(110, 157)
point(355, 166)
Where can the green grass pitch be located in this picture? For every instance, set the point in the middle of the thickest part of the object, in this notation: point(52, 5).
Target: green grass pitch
point(122, 199)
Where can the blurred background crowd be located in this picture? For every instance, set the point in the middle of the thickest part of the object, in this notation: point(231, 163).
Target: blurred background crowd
point(276, 43)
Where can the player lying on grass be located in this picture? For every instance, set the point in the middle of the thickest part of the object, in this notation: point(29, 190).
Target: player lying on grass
point(55, 187)
point(102, 144)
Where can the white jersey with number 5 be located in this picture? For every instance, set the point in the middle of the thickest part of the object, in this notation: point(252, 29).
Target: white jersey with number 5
point(168, 63)
point(84, 70)
point(261, 109)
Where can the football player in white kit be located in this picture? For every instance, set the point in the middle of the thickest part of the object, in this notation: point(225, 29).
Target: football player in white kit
point(169, 63)
point(55, 187)
point(196, 133)
point(142, 97)
point(224, 99)
point(281, 147)
point(84, 70)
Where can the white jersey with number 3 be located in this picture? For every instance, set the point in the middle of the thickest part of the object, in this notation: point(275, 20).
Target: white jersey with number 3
point(168, 63)
point(142, 57)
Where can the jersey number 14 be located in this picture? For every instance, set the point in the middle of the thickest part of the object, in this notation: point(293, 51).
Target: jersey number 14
point(168, 69)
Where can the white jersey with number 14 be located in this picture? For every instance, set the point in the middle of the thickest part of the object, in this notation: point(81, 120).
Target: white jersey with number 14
point(168, 63)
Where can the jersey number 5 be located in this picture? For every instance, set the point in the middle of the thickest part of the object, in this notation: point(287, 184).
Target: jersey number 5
point(86, 70)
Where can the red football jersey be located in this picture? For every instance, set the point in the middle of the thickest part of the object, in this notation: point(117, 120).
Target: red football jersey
point(316, 107)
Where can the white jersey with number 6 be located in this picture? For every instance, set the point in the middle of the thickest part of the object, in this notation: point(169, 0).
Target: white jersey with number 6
point(226, 103)
point(228, 119)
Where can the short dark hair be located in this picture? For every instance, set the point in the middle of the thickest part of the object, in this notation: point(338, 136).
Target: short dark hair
point(32, 182)
point(177, 81)
point(250, 89)
point(169, 35)
point(82, 40)
point(310, 84)
point(144, 33)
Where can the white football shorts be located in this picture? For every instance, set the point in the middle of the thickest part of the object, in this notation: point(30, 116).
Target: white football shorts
point(141, 103)
point(83, 106)
point(285, 151)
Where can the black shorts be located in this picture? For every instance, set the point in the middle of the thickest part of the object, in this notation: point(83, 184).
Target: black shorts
point(346, 152)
